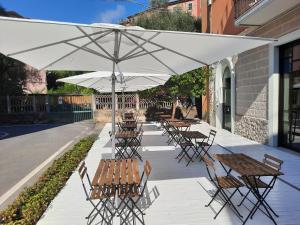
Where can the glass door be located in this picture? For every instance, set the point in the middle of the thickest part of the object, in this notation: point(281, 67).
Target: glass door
point(227, 99)
point(289, 132)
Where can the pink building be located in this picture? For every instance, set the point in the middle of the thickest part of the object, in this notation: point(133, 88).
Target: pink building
point(36, 82)
point(190, 6)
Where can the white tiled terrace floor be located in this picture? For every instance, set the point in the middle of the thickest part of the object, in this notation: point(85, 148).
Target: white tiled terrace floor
point(177, 194)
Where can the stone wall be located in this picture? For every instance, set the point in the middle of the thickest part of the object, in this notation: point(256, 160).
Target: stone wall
point(252, 78)
point(212, 109)
point(251, 94)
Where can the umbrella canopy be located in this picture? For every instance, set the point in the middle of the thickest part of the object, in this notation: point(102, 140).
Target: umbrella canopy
point(103, 47)
point(67, 46)
point(130, 82)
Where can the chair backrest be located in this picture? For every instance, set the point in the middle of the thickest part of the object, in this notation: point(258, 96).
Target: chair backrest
point(147, 168)
point(140, 137)
point(211, 137)
point(141, 127)
point(120, 126)
point(146, 174)
point(210, 167)
point(84, 175)
point(272, 162)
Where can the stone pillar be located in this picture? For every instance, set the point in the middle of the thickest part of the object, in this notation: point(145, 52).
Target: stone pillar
point(34, 103)
point(137, 102)
point(8, 104)
point(47, 104)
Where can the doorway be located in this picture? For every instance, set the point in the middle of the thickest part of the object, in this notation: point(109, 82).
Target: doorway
point(289, 107)
point(226, 99)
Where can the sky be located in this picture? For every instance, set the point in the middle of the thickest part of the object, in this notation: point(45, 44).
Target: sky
point(76, 11)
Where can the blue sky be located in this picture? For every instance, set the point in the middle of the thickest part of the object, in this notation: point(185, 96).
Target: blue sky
point(79, 11)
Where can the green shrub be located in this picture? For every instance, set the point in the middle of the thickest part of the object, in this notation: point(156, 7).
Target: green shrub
point(33, 201)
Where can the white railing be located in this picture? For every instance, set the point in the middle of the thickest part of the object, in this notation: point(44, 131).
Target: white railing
point(128, 101)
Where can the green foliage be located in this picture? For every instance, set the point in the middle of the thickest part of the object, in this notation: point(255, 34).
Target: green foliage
point(33, 201)
point(12, 76)
point(157, 3)
point(188, 84)
point(167, 20)
point(55, 87)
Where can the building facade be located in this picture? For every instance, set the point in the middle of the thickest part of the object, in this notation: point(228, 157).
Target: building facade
point(256, 94)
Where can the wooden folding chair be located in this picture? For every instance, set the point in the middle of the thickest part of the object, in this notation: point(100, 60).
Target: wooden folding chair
point(257, 182)
point(206, 144)
point(131, 196)
point(222, 183)
point(99, 197)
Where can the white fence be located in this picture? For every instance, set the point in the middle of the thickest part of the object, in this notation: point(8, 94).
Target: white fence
point(127, 101)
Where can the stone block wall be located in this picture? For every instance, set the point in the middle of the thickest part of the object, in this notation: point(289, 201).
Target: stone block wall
point(251, 119)
point(212, 109)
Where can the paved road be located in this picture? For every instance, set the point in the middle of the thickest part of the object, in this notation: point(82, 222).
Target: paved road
point(24, 147)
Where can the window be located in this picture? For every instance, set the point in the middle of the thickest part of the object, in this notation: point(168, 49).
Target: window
point(190, 6)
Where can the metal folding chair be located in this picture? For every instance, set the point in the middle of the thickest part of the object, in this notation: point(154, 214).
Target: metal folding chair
point(131, 196)
point(185, 145)
point(121, 147)
point(257, 182)
point(206, 144)
point(99, 197)
point(222, 183)
point(135, 143)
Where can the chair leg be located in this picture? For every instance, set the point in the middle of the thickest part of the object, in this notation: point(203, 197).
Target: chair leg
point(246, 195)
point(212, 199)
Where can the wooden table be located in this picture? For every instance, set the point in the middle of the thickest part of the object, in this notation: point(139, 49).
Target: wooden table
point(129, 126)
point(193, 134)
point(180, 124)
point(250, 168)
point(164, 116)
point(126, 134)
point(113, 172)
point(129, 120)
point(245, 165)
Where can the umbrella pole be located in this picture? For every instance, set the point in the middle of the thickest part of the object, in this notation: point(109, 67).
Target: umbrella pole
point(113, 82)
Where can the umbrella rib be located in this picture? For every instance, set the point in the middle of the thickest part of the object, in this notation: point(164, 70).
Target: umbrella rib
point(166, 48)
point(72, 52)
point(153, 56)
point(93, 40)
point(89, 51)
point(135, 55)
point(133, 50)
point(51, 44)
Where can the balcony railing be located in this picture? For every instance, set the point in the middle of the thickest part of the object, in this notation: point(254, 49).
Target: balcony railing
point(242, 6)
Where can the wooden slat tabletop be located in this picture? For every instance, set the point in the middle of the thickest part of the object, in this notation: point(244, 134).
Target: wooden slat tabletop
point(129, 125)
point(98, 172)
point(127, 134)
point(180, 124)
point(129, 171)
point(193, 134)
point(115, 172)
point(123, 172)
point(129, 120)
point(165, 116)
point(136, 175)
point(245, 165)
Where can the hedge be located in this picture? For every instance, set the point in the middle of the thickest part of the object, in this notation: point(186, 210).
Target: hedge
point(33, 201)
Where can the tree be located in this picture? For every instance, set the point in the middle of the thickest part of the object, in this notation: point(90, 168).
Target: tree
point(13, 76)
point(167, 20)
point(55, 87)
point(186, 85)
point(157, 3)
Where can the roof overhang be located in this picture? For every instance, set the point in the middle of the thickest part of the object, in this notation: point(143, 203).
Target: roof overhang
point(263, 11)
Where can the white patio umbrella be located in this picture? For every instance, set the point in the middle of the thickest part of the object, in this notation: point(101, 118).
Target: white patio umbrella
point(125, 82)
point(102, 47)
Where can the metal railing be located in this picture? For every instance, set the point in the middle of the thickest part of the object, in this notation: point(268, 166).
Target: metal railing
point(242, 6)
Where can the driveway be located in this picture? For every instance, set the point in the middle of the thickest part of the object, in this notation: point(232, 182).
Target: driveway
point(26, 148)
